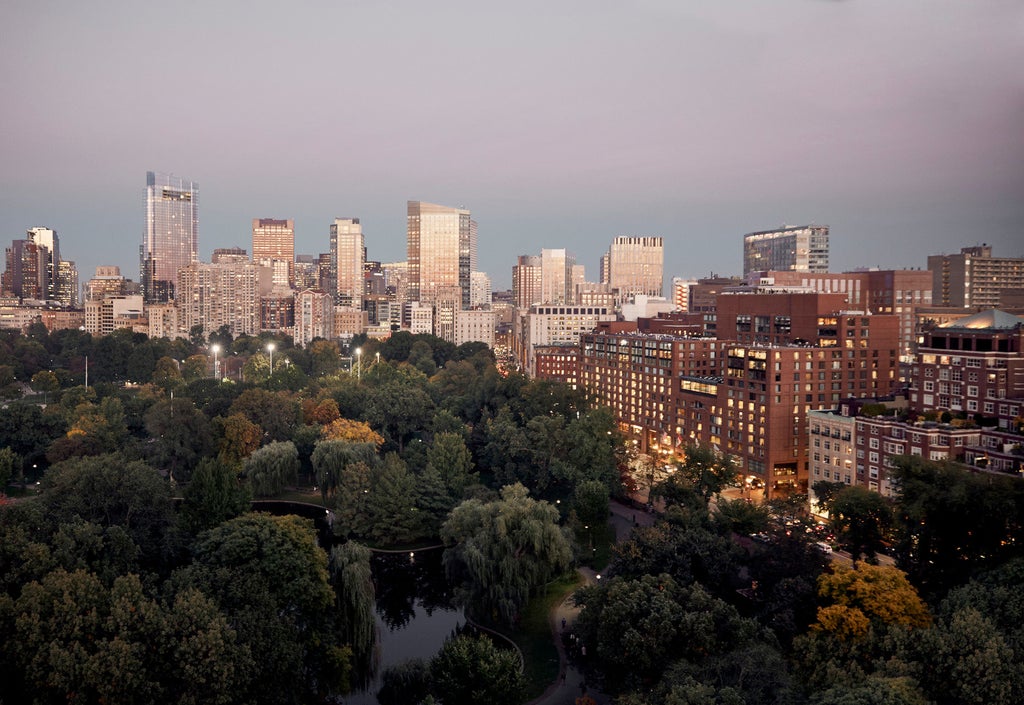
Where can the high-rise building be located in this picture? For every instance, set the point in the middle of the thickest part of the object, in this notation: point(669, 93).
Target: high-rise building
point(556, 277)
point(106, 282)
point(314, 316)
point(25, 275)
point(273, 245)
point(527, 288)
point(348, 254)
point(802, 248)
point(974, 278)
point(635, 265)
point(479, 290)
point(171, 238)
point(229, 294)
point(67, 284)
point(441, 250)
point(50, 272)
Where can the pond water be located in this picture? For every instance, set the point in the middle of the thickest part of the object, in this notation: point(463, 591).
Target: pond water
point(414, 614)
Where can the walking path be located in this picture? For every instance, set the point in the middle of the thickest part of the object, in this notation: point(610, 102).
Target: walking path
point(571, 683)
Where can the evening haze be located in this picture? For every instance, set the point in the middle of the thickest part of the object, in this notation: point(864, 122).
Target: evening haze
point(558, 124)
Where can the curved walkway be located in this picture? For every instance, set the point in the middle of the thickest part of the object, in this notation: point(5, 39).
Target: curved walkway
point(571, 683)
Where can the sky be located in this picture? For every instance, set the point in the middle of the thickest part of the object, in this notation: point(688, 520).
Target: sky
point(559, 124)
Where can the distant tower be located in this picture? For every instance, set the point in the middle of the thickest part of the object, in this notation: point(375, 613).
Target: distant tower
point(348, 253)
point(526, 282)
point(441, 250)
point(636, 265)
point(273, 245)
point(171, 239)
point(803, 248)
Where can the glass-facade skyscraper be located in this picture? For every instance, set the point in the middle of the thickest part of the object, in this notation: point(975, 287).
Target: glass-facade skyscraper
point(441, 250)
point(348, 253)
point(171, 238)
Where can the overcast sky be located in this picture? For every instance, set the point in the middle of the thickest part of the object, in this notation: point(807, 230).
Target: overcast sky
point(558, 124)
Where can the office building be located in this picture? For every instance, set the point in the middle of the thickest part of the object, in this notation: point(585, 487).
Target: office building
point(171, 238)
point(348, 255)
point(527, 287)
point(802, 248)
point(635, 266)
point(273, 246)
point(25, 274)
point(441, 250)
point(974, 278)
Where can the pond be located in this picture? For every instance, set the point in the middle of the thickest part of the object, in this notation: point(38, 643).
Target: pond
point(414, 614)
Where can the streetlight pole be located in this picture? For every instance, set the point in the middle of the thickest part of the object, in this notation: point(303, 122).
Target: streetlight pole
point(216, 363)
point(359, 363)
point(270, 349)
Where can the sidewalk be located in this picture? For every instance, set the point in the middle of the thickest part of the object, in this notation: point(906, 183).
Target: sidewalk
point(571, 683)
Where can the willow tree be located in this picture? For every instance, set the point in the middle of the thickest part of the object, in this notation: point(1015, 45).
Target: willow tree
point(499, 552)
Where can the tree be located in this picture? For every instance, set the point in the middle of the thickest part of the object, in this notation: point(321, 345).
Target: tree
point(167, 373)
point(450, 457)
point(873, 690)
point(272, 467)
point(181, 436)
point(239, 437)
point(590, 502)
point(270, 578)
point(10, 466)
point(398, 408)
point(634, 628)
point(325, 357)
point(110, 490)
point(351, 431)
point(708, 472)
point(331, 458)
point(861, 518)
point(213, 495)
point(952, 524)
point(391, 511)
point(500, 552)
point(354, 595)
point(45, 381)
point(878, 596)
point(471, 670)
point(825, 492)
point(277, 413)
point(740, 516)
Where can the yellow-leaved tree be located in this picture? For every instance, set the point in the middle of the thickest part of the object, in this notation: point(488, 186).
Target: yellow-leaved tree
point(868, 595)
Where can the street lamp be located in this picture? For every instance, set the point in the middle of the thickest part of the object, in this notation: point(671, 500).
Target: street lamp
point(270, 349)
point(216, 363)
point(359, 363)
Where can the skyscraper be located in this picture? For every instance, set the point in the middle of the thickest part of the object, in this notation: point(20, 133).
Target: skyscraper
point(802, 248)
point(635, 265)
point(171, 239)
point(973, 278)
point(348, 253)
point(273, 245)
point(441, 250)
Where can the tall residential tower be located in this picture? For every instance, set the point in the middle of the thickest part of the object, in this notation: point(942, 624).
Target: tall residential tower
point(348, 253)
point(273, 245)
point(803, 248)
point(441, 250)
point(171, 239)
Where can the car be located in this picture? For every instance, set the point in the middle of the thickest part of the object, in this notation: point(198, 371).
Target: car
point(824, 548)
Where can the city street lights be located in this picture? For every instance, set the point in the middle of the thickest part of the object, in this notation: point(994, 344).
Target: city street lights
point(270, 349)
point(216, 363)
point(359, 363)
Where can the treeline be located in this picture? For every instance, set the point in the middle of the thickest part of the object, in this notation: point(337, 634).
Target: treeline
point(136, 572)
point(687, 613)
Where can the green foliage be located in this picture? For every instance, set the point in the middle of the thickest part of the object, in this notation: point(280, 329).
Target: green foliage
point(109, 490)
point(740, 516)
point(213, 495)
point(450, 457)
point(862, 520)
point(405, 683)
point(181, 435)
point(590, 502)
point(331, 458)
point(271, 468)
point(392, 515)
point(471, 670)
point(873, 690)
point(277, 413)
point(269, 577)
point(952, 524)
point(354, 595)
point(499, 552)
point(10, 467)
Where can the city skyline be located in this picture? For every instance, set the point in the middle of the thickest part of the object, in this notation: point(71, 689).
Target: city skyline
point(896, 125)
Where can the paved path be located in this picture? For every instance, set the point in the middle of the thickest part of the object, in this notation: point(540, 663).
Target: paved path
point(571, 683)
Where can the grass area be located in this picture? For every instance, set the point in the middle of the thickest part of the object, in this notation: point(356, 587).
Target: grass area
point(299, 494)
point(533, 636)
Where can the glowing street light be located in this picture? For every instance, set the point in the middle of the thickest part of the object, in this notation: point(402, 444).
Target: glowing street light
point(270, 349)
point(216, 363)
point(359, 363)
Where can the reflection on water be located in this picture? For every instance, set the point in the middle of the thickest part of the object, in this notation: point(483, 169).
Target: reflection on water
point(414, 613)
